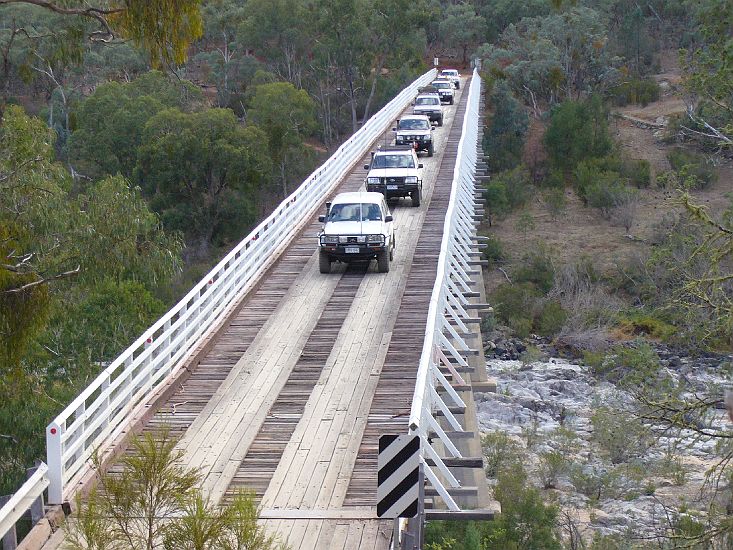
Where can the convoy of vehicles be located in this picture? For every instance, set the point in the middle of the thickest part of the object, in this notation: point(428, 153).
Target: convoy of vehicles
point(358, 226)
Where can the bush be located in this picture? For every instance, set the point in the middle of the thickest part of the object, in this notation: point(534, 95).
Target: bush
point(635, 90)
point(577, 131)
point(637, 171)
point(555, 202)
point(536, 268)
point(494, 251)
point(608, 192)
point(553, 464)
point(551, 319)
point(507, 130)
point(621, 435)
point(645, 324)
point(693, 171)
point(501, 453)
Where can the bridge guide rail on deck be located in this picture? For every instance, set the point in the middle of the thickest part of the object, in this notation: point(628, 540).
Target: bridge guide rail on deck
point(444, 342)
point(100, 413)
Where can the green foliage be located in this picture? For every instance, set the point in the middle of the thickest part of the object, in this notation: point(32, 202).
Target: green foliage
point(621, 436)
point(608, 193)
point(551, 318)
point(500, 451)
point(693, 170)
point(507, 191)
point(494, 251)
point(553, 464)
point(577, 131)
point(201, 170)
point(287, 116)
point(110, 122)
point(153, 499)
point(555, 202)
point(548, 58)
point(499, 14)
point(536, 268)
point(504, 140)
point(646, 324)
point(461, 27)
point(514, 305)
point(635, 90)
point(635, 367)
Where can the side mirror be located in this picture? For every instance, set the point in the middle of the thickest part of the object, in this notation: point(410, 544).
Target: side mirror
point(321, 218)
point(394, 129)
point(419, 165)
point(432, 128)
point(388, 219)
point(366, 167)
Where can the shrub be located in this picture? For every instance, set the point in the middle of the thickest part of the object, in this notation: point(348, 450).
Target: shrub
point(496, 198)
point(494, 250)
point(589, 171)
point(635, 90)
point(577, 131)
point(645, 324)
point(555, 202)
point(505, 136)
point(500, 451)
point(621, 435)
point(536, 268)
point(551, 319)
point(507, 191)
point(608, 192)
point(553, 464)
point(693, 170)
point(637, 171)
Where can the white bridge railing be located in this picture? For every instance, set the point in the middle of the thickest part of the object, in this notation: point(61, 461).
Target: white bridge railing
point(102, 411)
point(446, 330)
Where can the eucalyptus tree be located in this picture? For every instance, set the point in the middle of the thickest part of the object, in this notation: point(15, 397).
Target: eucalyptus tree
point(462, 27)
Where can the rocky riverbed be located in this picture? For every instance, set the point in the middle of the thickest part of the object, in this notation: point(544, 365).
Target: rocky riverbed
point(627, 480)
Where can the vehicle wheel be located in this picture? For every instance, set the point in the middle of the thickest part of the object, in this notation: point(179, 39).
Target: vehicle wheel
point(430, 150)
point(416, 197)
point(324, 263)
point(451, 101)
point(383, 262)
point(440, 121)
point(458, 85)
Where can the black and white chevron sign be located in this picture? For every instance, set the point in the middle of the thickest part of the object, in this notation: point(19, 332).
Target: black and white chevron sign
point(398, 476)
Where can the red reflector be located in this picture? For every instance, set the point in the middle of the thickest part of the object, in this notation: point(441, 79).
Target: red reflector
point(53, 431)
point(150, 340)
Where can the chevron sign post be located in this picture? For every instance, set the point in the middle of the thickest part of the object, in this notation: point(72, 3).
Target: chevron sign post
point(398, 476)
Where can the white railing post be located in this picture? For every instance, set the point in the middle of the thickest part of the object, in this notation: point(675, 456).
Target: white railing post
point(54, 434)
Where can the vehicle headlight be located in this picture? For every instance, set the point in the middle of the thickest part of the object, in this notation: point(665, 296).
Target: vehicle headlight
point(372, 180)
point(411, 179)
point(375, 238)
point(329, 239)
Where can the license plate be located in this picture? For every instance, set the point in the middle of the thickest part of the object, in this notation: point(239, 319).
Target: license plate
point(352, 249)
point(391, 188)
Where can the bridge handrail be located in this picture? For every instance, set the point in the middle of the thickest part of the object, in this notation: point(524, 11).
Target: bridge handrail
point(102, 410)
point(443, 341)
point(23, 499)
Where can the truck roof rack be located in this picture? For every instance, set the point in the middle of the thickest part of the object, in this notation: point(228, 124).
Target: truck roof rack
point(382, 148)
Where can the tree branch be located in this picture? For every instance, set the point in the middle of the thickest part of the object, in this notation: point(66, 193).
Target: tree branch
point(45, 280)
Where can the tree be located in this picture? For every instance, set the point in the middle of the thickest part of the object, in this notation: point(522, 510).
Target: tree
point(504, 141)
point(163, 28)
point(577, 131)
point(708, 74)
point(200, 170)
point(287, 116)
point(153, 502)
point(462, 27)
point(110, 122)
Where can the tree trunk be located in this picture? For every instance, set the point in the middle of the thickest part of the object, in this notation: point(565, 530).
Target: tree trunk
point(377, 74)
point(282, 176)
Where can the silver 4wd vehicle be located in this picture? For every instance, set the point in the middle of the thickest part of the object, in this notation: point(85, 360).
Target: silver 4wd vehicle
point(357, 227)
point(394, 172)
point(445, 90)
point(430, 106)
point(415, 130)
point(452, 75)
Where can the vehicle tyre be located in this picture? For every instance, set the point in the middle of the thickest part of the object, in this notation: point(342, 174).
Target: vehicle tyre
point(416, 197)
point(383, 262)
point(430, 149)
point(451, 101)
point(391, 249)
point(324, 263)
point(440, 121)
point(458, 85)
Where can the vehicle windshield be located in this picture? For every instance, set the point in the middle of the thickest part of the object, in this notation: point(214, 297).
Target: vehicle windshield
point(355, 212)
point(449, 72)
point(427, 101)
point(393, 161)
point(412, 124)
point(442, 84)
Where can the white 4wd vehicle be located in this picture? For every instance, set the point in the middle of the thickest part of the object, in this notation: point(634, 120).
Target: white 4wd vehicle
point(415, 130)
point(445, 90)
point(430, 106)
point(357, 227)
point(452, 75)
point(394, 172)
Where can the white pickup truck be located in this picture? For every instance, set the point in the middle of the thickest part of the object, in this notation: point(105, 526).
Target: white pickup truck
point(357, 227)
